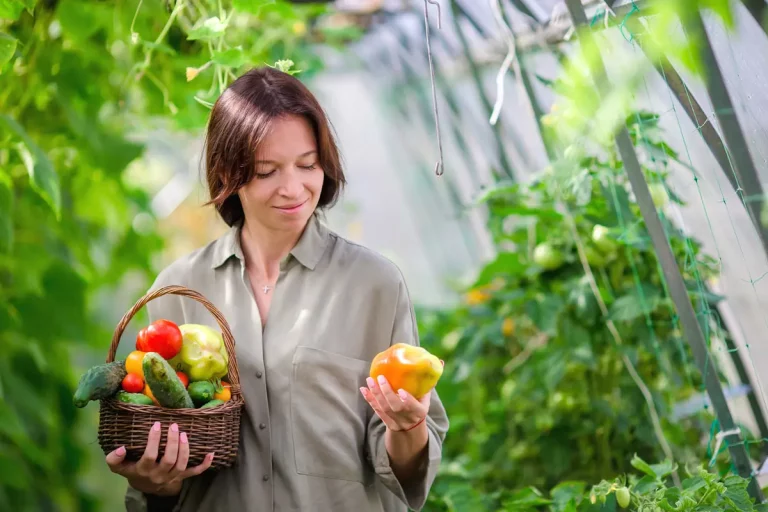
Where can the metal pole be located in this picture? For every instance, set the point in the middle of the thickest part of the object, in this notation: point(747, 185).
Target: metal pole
point(758, 9)
point(692, 107)
point(675, 282)
point(741, 370)
point(749, 188)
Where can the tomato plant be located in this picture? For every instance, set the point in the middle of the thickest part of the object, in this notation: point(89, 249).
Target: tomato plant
point(554, 401)
point(647, 488)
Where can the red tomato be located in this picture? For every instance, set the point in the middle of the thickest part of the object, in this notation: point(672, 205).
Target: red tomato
point(162, 337)
point(132, 383)
point(183, 377)
point(141, 341)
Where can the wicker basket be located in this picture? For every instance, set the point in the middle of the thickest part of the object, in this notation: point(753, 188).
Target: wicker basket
point(209, 430)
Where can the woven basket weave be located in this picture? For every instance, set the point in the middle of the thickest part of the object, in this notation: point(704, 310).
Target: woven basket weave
point(216, 429)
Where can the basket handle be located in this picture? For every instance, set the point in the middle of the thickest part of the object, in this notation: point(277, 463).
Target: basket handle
point(229, 340)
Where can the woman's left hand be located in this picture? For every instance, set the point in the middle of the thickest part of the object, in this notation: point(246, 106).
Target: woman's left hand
point(399, 410)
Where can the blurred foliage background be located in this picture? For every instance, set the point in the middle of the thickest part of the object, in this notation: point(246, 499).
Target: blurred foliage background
point(565, 355)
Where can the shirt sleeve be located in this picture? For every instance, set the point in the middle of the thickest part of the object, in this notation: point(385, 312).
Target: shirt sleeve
point(414, 492)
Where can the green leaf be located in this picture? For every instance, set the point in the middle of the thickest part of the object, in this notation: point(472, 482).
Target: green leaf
point(694, 484)
point(7, 48)
point(723, 9)
point(643, 466)
point(565, 493)
point(618, 203)
point(284, 11)
point(505, 264)
point(524, 499)
point(695, 293)
point(43, 177)
point(555, 370)
point(545, 313)
point(251, 6)
point(739, 497)
point(79, 20)
point(234, 57)
point(546, 81)
point(499, 191)
point(210, 29)
point(646, 485)
point(542, 213)
point(11, 9)
point(638, 303)
point(6, 212)
point(158, 47)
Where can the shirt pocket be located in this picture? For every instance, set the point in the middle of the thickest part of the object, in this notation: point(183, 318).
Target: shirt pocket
point(329, 415)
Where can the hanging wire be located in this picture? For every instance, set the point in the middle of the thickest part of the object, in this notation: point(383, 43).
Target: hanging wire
point(510, 59)
point(439, 165)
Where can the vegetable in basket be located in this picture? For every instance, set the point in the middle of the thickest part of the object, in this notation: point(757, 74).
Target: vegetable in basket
point(161, 336)
point(165, 385)
point(203, 355)
point(99, 382)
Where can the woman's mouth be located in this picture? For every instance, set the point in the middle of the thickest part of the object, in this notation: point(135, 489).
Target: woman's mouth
point(291, 208)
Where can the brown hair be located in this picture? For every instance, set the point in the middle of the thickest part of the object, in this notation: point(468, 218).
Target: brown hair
point(239, 121)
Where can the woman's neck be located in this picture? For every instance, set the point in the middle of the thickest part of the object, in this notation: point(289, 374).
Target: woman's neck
point(264, 249)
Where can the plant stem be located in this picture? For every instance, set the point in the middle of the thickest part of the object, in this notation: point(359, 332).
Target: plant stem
point(658, 431)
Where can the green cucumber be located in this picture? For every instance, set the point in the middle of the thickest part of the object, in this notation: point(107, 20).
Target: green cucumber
point(134, 398)
point(213, 403)
point(165, 385)
point(99, 382)
point(201, 392)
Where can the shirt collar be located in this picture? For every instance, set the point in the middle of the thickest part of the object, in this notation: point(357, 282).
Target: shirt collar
point(307, 251)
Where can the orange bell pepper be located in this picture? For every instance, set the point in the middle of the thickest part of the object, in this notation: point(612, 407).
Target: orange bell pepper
point(408, 367)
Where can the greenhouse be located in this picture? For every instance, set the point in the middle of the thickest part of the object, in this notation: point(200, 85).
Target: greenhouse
point(571, 189)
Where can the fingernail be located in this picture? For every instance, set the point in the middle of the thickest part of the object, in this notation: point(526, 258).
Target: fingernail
point(363, 391)
point(403, 395)
point(211, 455)
point(156, 426)
point(174, 428)
point(370, 382)
point(183, 437)
point(382, 379)
point(121, 451)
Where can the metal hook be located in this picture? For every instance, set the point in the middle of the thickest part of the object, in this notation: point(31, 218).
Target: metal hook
point(439, 165)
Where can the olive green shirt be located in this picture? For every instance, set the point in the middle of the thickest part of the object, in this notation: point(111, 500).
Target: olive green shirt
point(308, 441)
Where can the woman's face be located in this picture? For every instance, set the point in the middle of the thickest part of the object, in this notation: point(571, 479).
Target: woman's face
point(288, 179)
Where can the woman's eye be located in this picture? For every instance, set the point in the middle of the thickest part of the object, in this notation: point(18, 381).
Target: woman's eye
point(262, 175)
point(309, 167)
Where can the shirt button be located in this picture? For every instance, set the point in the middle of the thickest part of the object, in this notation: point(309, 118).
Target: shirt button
point(262, 426)
point(258, 375)
point(265, 477)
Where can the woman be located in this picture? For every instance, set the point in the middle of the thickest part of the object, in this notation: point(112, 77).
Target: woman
point(309, 310)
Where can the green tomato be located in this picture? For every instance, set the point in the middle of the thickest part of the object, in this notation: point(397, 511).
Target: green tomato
point(547, 257)
point(594, 257)
point(659, 194)
point(602, 238)
point(622, 497)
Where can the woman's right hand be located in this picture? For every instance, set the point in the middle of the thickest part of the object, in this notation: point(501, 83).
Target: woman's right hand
point(164, 477)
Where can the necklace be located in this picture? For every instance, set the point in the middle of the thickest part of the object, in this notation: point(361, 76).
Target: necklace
point(266, 289)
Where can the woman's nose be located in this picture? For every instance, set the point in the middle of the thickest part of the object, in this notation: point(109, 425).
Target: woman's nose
point(292, 185)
